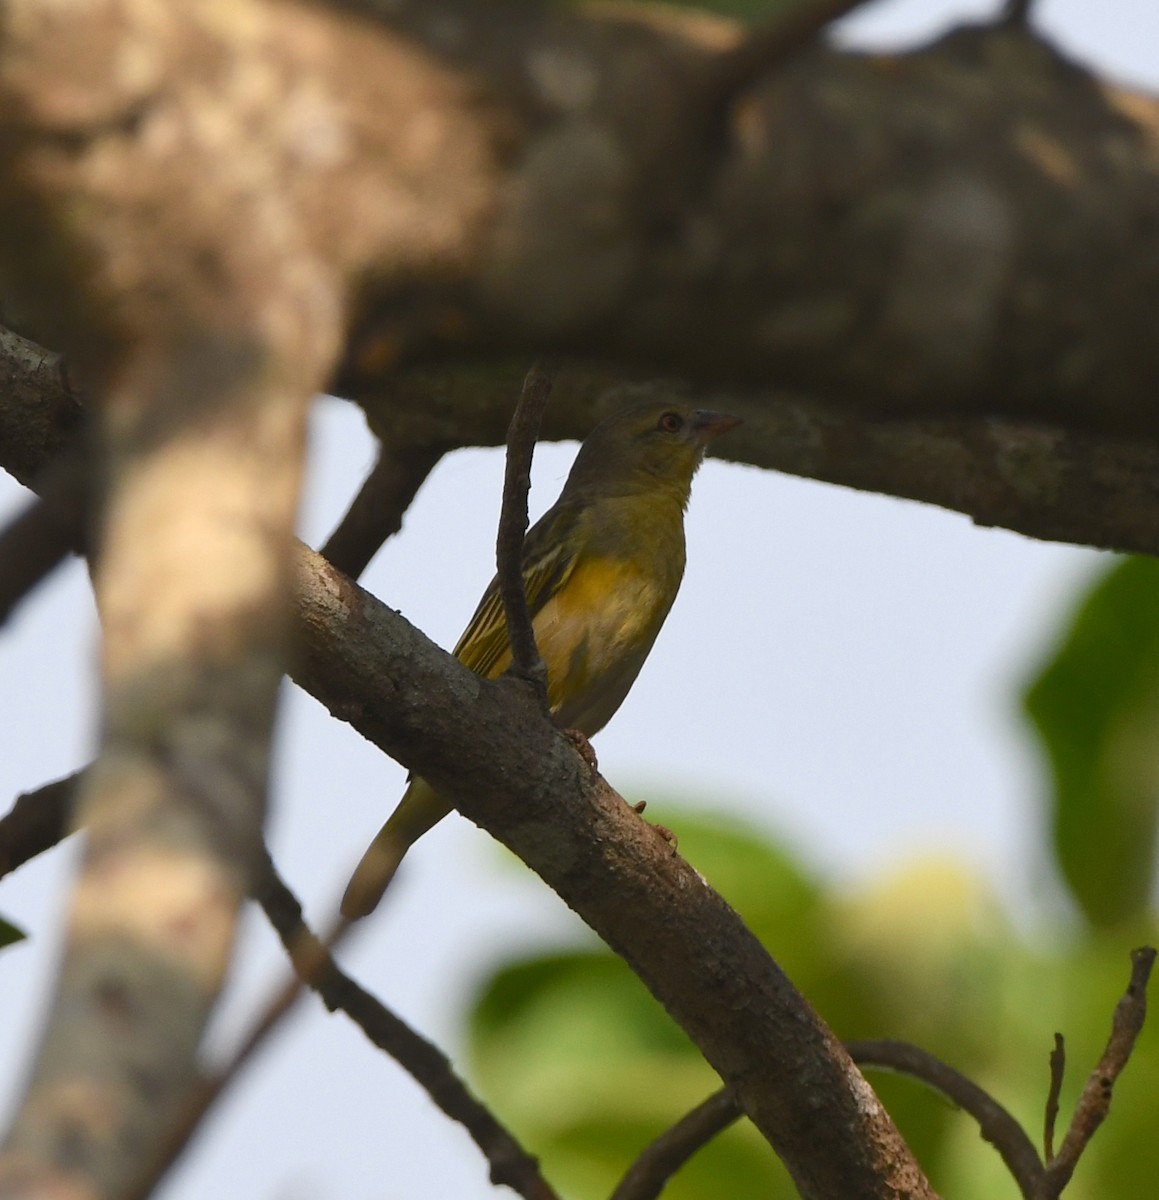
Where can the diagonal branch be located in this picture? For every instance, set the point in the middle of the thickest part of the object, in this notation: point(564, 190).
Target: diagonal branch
point(510, 1164)
point(376, 512)
point(52, 527)
point(487, 746)
point(774, 41)
point(663, 1157)
point(36, 822)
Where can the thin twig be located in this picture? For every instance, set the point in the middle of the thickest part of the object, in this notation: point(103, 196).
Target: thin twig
point(310, 956)
point(36, 822)
point(46, 532)
point(1057, 1071)
point(1095, 1101)
point(521, 438)
point(660, 1159)
point(510, 1164)
point(376, 513)
point(1016, 14)
point(772, 43)
point(996, 1125)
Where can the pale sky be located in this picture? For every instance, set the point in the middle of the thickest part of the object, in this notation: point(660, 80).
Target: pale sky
point(840, 668)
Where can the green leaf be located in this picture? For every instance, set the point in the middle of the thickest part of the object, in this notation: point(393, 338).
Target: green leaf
point(9, 933)
point(1095, 706)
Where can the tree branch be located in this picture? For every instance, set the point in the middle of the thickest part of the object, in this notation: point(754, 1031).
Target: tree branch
point(310, 957)
point(40, 411)
point(52, 527)
point(857, 234)
point(662, 1158)
point(487, 746)
point(775, 41)
point(1050, 1114)
point(897, 257)
point(1095, 1101)
point(1046, 483)
point(36, 822)
point(1016, 13)
point(511, 1166)
point(995, 1123)
point(201, 348)
point(376, 512)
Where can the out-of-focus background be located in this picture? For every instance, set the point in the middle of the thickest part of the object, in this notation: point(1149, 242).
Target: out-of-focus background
point(833, 720)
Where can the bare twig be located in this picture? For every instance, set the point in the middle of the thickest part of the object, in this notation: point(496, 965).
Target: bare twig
point(773, 42)
point(376, 512)
point(995, 1123)
point(309, 955)
point(36, 822)
point(1016, 13)
point(521, 437)
point(35, 542)
point(1095, 1101)
point(652, 1169)
point(660, 1160)
point(1057, 1071)
point(510, 1164)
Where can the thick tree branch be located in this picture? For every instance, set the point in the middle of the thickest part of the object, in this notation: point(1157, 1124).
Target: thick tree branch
point(201, 352)
point(40, 411)
point(967, 229)
point(774, 41)
point(962, 230)
point(488, 746)
point(1047, 483)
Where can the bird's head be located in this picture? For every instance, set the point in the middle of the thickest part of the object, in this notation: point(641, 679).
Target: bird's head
point(654, 448)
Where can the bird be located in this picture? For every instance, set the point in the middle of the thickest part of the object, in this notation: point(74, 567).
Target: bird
point(601, 569)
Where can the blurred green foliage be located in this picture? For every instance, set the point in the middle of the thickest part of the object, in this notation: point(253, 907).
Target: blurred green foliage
point(1096, 707)
point(587, 1068)
point(747, 11)
point(9, 933)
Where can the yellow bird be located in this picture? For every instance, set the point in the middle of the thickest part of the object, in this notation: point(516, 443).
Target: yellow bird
point(601, 569)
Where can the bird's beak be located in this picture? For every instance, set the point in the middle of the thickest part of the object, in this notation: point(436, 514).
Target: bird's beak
point(709, 425)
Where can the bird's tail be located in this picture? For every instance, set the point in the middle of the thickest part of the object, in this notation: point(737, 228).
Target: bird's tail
point(419, 809)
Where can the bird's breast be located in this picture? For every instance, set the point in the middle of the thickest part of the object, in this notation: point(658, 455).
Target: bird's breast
point(595, 633)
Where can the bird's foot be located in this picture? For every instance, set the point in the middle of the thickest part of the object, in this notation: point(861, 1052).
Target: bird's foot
point(583, 746)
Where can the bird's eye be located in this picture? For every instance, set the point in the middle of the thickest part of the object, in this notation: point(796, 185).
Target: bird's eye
point(671, 422)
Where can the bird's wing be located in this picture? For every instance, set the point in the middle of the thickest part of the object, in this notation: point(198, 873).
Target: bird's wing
point(549, 557)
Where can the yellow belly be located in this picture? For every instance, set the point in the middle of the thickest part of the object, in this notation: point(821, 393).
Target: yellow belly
point(594, 636)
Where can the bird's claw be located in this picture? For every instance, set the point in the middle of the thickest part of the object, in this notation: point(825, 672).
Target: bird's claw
point(583, 746)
